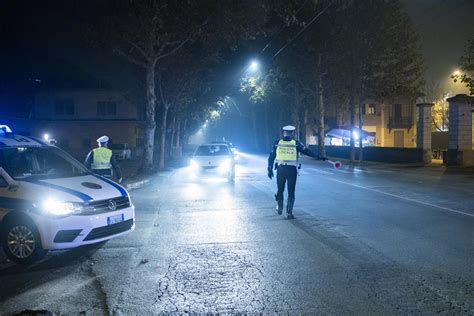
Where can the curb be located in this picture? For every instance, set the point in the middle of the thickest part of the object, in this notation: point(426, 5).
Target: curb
point(140, 183)
point(136, 185)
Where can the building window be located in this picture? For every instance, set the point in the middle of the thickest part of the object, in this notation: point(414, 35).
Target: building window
point(64, 107)
point(397, 111)
point(111, 108)
point(371, 109)
point(106, 108)
point(101, 108)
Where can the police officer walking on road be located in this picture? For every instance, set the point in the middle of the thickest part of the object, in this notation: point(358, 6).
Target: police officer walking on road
point(285, 156)
point(101, 160)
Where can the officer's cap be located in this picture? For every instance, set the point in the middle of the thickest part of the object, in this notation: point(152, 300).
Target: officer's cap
point(289, 128)
point(103, 139)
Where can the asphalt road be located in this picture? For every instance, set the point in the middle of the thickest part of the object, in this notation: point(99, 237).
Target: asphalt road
point(371, 240)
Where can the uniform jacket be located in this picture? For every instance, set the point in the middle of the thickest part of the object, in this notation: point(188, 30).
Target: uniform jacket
point(113, 162)
point(300, 148)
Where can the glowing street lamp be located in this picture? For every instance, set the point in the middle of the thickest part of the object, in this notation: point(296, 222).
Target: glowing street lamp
point(254, 65)
point(46, 137)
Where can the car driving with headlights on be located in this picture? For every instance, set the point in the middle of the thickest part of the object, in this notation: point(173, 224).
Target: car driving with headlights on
point(213, 160)
point(50, 201)
point(233, 149)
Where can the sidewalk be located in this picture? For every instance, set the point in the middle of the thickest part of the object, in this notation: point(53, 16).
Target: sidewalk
point(436, 166)
point(133, 179)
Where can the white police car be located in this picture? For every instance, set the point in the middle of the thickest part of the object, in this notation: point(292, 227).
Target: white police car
point(48, 200)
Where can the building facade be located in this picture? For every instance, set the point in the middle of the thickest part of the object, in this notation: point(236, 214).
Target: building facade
point(394, 124)
point(76, 118)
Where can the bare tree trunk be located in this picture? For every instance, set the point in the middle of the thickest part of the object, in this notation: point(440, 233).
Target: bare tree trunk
point(173, 136)
point(178, 138)
point(361, 154)
point(150, 123)
point(184, 135)
point(295, 118)
point(164, 119)
point(178, 133)
point(295, 114)
point(305, 125)
point(322, 148)
point(352, 105)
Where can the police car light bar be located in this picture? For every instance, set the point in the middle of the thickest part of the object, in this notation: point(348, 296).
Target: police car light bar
point(5, 130)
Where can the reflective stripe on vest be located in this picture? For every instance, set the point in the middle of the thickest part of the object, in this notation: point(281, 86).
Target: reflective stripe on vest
point(102, 158)
point(286, 153)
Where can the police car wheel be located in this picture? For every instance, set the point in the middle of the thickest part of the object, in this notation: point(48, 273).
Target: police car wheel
point(21, 241)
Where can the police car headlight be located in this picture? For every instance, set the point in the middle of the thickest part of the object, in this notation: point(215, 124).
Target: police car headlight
point(58, 208)
point(225, 166)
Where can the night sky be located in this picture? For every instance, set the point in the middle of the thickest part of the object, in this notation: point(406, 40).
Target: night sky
point(444, 26)
point(38, 43)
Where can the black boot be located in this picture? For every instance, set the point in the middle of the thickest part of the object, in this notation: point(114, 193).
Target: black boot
point(279, 207)
point(289, 208)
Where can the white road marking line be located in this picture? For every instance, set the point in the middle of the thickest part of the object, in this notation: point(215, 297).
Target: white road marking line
point(363, 170)
point(319, 171)
point(405, 198)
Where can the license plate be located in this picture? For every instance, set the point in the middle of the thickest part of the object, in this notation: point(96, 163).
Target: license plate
point(115, 219)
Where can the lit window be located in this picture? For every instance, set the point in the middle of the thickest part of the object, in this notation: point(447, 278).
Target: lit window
point(371, 109)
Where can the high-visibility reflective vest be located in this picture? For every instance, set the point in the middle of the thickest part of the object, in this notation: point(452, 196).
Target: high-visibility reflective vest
point(286, 153)
point(102, 158)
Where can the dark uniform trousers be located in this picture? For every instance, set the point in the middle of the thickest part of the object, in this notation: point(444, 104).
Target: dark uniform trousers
point(103, 172)
point(286, 174)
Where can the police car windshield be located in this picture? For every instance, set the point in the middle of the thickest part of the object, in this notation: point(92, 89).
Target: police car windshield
point(212, 150)
point(39, 162)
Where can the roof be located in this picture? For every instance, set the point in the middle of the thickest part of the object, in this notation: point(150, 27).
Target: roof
point(215, 144)
point(222, 143)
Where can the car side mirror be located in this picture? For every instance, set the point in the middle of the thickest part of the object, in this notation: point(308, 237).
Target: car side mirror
point(12, 185)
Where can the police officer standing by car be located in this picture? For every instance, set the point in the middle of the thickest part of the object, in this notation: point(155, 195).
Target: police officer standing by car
point(285, 156)
point(101, 160)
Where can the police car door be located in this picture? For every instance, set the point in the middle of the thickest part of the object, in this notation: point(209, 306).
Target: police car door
point(7, 187)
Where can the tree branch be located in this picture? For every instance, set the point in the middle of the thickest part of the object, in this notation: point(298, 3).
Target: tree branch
point(133, 60)
point(436, 124)
point(161, 90)
point(172, 51)
point(141, 50)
